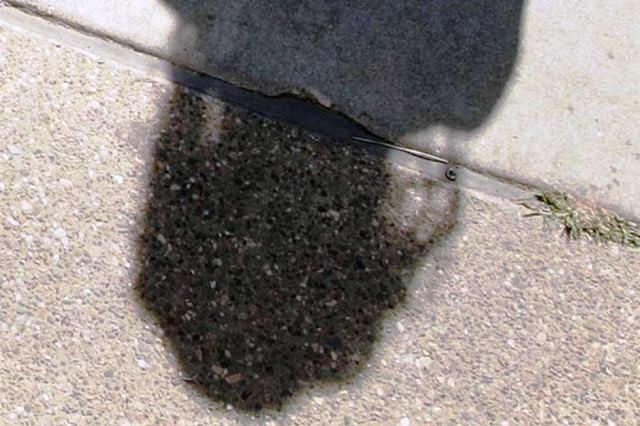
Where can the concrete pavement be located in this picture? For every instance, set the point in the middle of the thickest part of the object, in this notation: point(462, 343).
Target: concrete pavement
point(497, 319)
point(539, 92)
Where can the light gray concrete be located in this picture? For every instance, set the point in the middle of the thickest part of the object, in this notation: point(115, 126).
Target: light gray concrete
point(542, 92)
point(569, 114)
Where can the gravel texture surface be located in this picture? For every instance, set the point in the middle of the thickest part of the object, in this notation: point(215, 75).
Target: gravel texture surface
point(105, 177)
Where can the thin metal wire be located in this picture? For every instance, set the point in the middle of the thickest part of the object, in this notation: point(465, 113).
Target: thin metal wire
point(410, 151)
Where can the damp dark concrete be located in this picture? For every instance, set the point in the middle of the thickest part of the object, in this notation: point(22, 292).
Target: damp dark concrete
point(394, 66)
point(269, 255)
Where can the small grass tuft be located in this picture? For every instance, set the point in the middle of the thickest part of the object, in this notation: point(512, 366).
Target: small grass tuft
point(581, 220)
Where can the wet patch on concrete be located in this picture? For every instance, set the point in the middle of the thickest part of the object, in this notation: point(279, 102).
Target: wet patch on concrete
point(268, 256)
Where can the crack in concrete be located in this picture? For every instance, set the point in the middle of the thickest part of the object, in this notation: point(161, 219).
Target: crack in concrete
point(303, 109)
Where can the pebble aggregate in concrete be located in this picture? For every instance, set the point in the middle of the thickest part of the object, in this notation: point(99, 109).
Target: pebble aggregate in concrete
point(269, 256)
point(503, 321)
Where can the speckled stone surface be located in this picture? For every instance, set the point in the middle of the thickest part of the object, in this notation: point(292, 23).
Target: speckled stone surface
point(498, 320)
point(269, 255)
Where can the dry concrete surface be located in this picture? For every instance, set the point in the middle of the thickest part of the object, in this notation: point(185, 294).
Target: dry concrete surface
point(500, 320)
point(540, 91)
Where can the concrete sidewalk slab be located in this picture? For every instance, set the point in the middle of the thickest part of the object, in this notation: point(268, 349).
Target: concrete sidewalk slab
point(502, 321)
point(541, 92)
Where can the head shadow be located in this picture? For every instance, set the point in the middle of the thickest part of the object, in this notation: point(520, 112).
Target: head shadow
point(269, 257)
point(397, 67)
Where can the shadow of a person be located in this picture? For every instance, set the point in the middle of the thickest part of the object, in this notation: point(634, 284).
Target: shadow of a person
point(395, 66)
point(269, 257)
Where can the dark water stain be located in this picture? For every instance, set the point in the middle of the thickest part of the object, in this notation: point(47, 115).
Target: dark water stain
point(268, 257)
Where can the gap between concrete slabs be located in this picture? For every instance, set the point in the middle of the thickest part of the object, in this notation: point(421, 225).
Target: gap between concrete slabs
point(297, 111)
point(533, 136)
